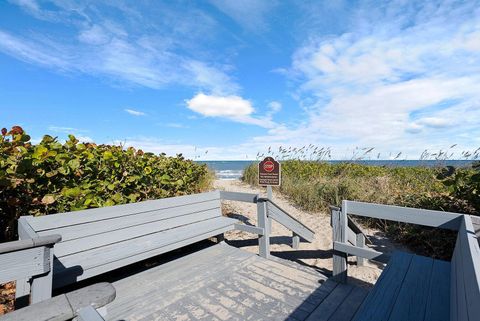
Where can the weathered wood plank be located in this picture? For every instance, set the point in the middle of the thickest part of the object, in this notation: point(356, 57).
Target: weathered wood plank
point(412, 299)
point(129, 233)
point(134, 293)
point(54, 221)
point(350, 305)
point(120, 222)
point(361, 252)
point(185, 310)
point(289, 222)
point(446, 220)
point(380, 301)
point(438, 302)
point(327, 308)
point(360, 242)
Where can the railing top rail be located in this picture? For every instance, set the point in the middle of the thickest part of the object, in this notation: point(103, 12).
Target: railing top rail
point(239, 196)
point(287, 220)
point(439, 219)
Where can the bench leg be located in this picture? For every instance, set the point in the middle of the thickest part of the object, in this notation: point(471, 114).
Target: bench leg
point(295, 241)
point(360, 242)
point(220, 238)
point(22, 293)
point(263, 222)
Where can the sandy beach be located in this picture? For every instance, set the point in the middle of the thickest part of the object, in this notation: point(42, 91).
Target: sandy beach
point(317, 254)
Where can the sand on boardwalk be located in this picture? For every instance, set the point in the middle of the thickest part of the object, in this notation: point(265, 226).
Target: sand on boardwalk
point(317, 254)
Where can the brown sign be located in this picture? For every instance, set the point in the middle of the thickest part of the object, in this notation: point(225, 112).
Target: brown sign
point(269, 172)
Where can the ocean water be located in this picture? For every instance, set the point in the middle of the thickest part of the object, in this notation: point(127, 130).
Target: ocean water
point(233, 170)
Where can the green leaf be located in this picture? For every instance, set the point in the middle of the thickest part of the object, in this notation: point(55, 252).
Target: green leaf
point(147, 170)
point(107, 155)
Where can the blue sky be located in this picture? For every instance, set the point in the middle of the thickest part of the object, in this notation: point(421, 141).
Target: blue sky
point(227, 79)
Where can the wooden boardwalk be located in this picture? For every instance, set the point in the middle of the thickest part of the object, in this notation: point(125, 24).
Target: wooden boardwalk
point(225, 283)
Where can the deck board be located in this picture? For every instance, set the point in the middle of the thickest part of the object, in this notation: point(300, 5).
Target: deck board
point(225, 283)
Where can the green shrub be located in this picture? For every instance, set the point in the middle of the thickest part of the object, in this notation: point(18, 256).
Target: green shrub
point(314, 185)
point(51, 177)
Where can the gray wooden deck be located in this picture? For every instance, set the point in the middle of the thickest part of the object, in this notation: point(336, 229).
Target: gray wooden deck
point(225, 283)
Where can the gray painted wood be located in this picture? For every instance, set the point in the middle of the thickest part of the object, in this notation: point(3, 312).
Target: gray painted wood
point(22, 285)
point(361, 252)
point(108, 258)
point(25, 231)
point(438, 302)
point(328, 307)
point(465, 275)
point(423, 217)
point(83, 230)
point(347, 309)
point(23, 264)
point(339, 222)
point(29, 243)
point(89, 314)
point(380, 301)
point(66, 306)
point(129, 233)
point(240, 197)
point(295, 241)
point(41, 286)
point(360, 242)
point(282, 217)
point(54, 221)
point(249, 229)
point(262, 221)
point(412, 299)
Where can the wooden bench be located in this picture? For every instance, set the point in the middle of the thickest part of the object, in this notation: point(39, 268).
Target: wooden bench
point(414, 287)
point(31, 259)
point(100, 240)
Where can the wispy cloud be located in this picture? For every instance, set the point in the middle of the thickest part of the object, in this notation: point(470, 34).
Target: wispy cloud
point(400, 74)
point(135, 112)
point(133, 48)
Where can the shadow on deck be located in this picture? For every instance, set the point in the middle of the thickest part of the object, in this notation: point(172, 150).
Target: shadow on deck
point(221, 282)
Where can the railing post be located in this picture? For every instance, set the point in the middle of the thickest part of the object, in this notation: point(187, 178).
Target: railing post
point(262, 221)
point(360, 242)
point(339, 224)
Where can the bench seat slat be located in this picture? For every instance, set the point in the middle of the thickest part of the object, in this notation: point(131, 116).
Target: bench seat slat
point(412, 298)
point(133, 232)
point(380, 301)
point(116, 223)
point(107, 258)
point(54, 221)
point(438, 304)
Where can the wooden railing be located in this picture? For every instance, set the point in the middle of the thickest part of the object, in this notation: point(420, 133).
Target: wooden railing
point(268, 210)
point(465, 264)
point(341, 233)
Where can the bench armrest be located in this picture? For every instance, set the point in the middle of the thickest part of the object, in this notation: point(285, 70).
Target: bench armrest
point(66, 306)
point(29, 243)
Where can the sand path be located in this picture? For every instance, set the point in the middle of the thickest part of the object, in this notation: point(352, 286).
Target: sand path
point(317, 254)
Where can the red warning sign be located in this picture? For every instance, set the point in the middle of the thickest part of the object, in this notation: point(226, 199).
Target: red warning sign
point(269, 172)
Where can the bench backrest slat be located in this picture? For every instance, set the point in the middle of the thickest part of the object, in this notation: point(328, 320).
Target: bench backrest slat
point(55, 221)
point(465, 274)
point(83, 230)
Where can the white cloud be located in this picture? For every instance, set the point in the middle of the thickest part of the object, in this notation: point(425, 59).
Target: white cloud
point(135, 112)
point(234, 108)
point(395, 74)
point(227, 106)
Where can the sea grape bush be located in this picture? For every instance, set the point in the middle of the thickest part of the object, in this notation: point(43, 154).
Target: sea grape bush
point(54, 177)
